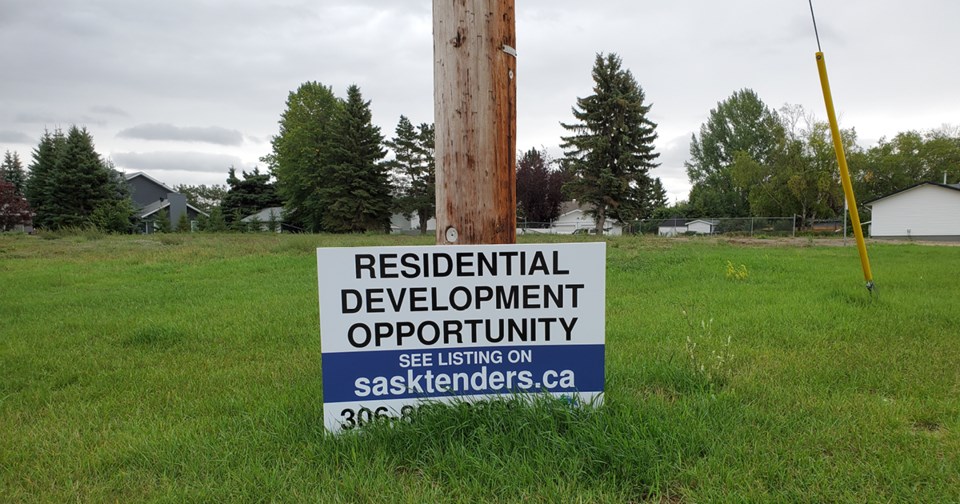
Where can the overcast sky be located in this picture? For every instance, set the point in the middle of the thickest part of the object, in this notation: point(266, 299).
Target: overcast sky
point(183, 89)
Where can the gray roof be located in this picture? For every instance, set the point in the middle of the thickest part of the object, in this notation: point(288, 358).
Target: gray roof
point(264, 215)
point(129, 176)
point(674, 222)
point(954, 187)
point(153, 208)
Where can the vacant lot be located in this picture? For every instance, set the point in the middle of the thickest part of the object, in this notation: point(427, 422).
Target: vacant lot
point(187, 368)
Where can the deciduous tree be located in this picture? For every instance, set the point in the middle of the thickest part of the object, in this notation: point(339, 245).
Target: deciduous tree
point(302, 150)
point(202, 196)
point(539, 188)
point(14, 209)
point(740, 124)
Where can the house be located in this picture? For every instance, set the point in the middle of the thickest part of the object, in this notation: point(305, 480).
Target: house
point(265, 217)
point(150, 196)
point(703, 226)
point(400, 223)
point(926, 211)
point(575, 219)
point(672, 227)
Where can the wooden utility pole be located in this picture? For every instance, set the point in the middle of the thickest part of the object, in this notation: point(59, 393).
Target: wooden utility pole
point(475, 100)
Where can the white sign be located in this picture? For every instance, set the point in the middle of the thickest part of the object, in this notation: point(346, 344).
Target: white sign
point(400, 325)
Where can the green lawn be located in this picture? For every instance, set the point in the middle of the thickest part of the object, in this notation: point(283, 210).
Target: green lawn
point(187, 368)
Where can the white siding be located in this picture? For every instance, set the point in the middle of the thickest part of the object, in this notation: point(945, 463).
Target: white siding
point(925, 210)
point(700, 227)
point(574, 220)
point(671, 230)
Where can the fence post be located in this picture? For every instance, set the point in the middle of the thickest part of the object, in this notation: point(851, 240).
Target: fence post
point(794, 225)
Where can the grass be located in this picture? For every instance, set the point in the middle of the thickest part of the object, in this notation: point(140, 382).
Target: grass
point(186, 369)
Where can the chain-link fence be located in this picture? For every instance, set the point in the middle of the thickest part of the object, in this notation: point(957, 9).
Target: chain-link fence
point(745, 226)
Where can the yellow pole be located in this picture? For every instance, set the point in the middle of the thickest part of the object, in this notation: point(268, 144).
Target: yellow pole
point(844, 172)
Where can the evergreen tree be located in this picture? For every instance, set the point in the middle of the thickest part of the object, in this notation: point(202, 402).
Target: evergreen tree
point(273, 222)
point(357, 195)
point(81, 181)
point(183, 223)
point(656, 198)
point(413, 170)
point(114, 216)
point(12, 171)
point(611, 149)
point(236, 223)
point(40, 182)
point(301, 154)
point(161, 221)
point(249, 194)
point(216, 223)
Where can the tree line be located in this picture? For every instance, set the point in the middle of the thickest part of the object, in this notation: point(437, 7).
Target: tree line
point(329, 167)
point(328, 160)
point(68, 185)
point(750, 160)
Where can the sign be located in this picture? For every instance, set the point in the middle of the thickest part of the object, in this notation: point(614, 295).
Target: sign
point(400, 325)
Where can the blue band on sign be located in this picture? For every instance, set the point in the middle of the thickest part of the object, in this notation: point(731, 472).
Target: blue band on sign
point(424, 373)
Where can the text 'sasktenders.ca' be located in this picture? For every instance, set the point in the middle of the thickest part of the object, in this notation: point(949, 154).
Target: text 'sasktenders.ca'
point(428, 383)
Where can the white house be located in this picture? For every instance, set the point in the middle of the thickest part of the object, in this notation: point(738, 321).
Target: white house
point(400, 223)
point(926, 211)
point(574, 219)
point(672, 227)
point(703, 226)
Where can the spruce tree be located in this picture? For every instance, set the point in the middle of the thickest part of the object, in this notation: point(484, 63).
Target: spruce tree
point(249, 194)
point(41, 179)
point(81, 181)
point(12, 171)
point(413, 170)
point(357, 195)
point(161, 221)
point(183, 223)
point(610, 151)
point(216, 223)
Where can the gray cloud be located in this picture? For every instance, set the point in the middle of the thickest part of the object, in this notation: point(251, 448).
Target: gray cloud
point(55, 121)
point(190, 162)
point(108, 110)
point(182, 62)
point(212, 134)
point(673, 153)
point(15, 137)
point(33, 118)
